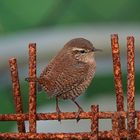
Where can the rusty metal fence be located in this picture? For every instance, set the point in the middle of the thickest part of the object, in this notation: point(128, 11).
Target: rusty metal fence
point(120, 129)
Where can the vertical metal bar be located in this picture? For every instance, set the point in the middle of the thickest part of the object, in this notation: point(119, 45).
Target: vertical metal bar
point(32, 88)
point(115, 126)
point(117, 77)
point(16, 92)
point(138, 124)
point(138, 121)
point(131, 88)
point(94, 122)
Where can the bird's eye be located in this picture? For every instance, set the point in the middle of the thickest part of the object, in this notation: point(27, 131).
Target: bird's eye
point(82, 51)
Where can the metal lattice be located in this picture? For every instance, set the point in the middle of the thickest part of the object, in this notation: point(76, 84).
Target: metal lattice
point(119, 129)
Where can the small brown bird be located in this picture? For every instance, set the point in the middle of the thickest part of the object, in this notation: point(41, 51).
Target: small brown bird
point(70, 72)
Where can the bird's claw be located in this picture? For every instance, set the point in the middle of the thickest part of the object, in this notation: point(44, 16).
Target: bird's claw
point(58, 114)
point(80, 110)
point(59, 117)
point(77, 118)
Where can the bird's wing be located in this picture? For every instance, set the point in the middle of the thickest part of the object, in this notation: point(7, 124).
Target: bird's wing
point(44, 75)
point(45, 72)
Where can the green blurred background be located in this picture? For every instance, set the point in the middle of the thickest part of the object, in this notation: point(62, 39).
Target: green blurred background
point(51, 24)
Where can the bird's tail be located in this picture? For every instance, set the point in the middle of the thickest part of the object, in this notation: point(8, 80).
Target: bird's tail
point(34, 79)
point(31, 79)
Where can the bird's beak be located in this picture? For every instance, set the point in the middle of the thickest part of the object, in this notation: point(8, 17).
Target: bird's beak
point(97, 50)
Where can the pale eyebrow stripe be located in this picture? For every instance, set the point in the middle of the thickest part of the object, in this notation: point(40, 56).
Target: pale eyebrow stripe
point(78, 49)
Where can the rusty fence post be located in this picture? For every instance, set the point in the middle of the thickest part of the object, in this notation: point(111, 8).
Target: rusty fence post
point(94, 122)
point(32, 88)
point(115, 126)
point(16, 92)
point(131, 88)
point(117, 77)
point(138, 125)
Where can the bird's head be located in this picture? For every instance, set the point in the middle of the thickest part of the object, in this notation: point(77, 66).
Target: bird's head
point(81, 49)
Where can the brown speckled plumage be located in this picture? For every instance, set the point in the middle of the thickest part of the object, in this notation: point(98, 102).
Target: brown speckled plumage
point(67, 77)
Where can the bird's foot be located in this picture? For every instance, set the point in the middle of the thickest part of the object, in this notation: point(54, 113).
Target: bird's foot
point(80, 110)
point(58, 111)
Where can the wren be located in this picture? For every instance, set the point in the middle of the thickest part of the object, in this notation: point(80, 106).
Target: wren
point(69, 73)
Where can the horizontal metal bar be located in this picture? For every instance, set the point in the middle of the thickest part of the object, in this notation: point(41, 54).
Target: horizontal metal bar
point(63, 115)
point(83, 135)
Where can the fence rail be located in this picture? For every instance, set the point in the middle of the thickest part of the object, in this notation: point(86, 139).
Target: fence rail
point(119, 129)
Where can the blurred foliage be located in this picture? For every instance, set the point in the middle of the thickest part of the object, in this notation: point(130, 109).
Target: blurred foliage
point(19, 15)
point(105, 85)
point(101, 85)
